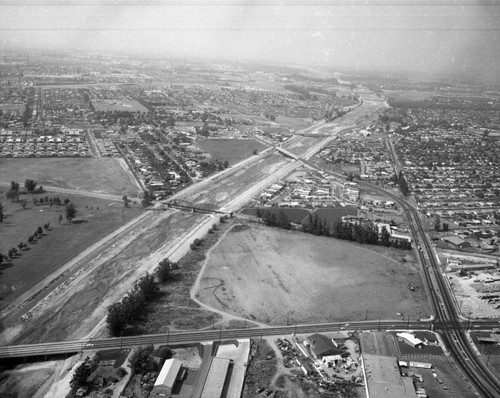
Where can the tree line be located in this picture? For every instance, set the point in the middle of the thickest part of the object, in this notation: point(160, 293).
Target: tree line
point(123, 314)
point(364, 233)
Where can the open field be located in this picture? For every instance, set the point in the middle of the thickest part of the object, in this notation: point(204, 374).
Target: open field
point(232, 151)
point(122, 105)
point(76, 307)
point(281, 277)
point(59, 244)
point(99, 175)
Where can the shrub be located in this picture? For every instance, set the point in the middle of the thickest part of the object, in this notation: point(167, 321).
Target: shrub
point(121, 372)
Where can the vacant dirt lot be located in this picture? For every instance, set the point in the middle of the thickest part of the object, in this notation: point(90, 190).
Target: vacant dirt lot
point(59, 244)
point(281, 277)
point(231, 150)
point(98, 175)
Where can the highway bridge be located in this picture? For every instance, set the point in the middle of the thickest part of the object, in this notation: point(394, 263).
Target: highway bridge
point(68, 347)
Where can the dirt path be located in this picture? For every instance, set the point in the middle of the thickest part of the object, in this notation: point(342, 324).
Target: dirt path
point(196, 287)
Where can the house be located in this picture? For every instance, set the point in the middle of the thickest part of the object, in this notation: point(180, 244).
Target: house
point(322, 346)
point(456, 241)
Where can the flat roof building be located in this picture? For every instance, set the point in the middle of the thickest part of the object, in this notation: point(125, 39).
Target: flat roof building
point(384, 380)
point(216, 378)
point(410, 339)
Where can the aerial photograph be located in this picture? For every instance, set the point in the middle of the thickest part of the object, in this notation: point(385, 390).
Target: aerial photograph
point(250, 198)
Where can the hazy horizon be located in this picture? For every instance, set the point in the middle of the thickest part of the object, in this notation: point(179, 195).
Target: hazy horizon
point(439, 37)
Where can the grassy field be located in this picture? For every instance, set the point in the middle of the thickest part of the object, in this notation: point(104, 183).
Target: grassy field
point(59, 244)
point(119, 106)
point(281, 277)
point(93, 174)
point(232, 151)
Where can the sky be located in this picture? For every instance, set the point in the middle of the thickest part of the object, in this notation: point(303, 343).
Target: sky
point(435, 36)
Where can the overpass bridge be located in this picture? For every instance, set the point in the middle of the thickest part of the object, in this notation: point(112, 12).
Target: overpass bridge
point(75, 346)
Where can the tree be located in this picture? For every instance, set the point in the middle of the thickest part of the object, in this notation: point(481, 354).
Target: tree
point(30, 185)
point(81, 375)
point(163, 270)
point(385, 237)
point(125, 200)
point(11, 194)
point(14, 186)
point(39, 230)
point(148, 198)
point(60, 218)
point(116, 319)
point(226, 164)
point(437, 223)
point(70, 211)
point(147, 285)
point(141, 360)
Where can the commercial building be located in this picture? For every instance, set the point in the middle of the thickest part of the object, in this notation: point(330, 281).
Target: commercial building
point(410, 339)
point(165, 381)
point(384, 380)
point(216, 378)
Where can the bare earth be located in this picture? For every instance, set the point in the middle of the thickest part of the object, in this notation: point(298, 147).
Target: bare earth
point(282, 277)
point(98, 175)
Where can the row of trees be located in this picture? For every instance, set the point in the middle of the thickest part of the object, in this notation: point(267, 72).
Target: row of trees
point(273, 220)
point(14, 190)
point(400, 180)
point(122, 314)
point(13, 251)
point(50, 200)
point(364, 233)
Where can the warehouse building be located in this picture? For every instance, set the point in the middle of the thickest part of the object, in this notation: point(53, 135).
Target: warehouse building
point(165, 381)
point(217, 378)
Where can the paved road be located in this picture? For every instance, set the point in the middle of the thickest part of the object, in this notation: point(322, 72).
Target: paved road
point(66, 347)
point(447, 318)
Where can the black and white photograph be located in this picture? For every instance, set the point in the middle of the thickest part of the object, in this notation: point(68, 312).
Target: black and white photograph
point(250, 198)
